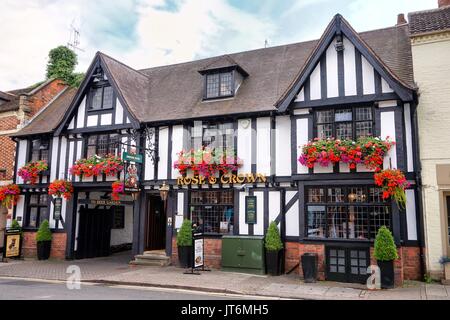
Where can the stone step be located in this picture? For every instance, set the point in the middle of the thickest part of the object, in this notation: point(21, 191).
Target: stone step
point(151, 256)
point(153, 263)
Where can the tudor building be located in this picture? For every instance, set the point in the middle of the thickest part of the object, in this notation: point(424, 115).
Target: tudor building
point(264, 105)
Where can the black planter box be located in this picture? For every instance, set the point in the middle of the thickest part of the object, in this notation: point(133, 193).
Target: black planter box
point(309, 266)
point(185, 256)
point(43, 249)
point(387, 274)
point(273, 262)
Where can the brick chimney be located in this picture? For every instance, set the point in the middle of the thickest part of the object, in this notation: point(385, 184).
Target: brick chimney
point(443, 3)
point(401, 19)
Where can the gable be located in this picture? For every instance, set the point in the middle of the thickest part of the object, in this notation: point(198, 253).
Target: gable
point(341, 66)
point(82, 116)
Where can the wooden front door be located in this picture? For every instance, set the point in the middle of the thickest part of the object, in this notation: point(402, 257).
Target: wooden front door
point(94, 233)
point(155, 224)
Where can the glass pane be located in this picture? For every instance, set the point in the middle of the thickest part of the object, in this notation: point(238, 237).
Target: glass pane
point(35, 155)
point(316, 221)
point(344, 131)
point(363, 271)
point(44, 155)
point(336, 195)
point(96, 99)
point(354, 262)
point(44, 144)
point(325, 131)
point(364, 129)
point(341, 269)
point(343, 115)
point(107, 97)
point(92, 140)
point(113, 144)
point(196, 197)
point(354, 270)
point(43, 199)
point(33, 217)
point(333, 269)
point(316, 195)
point(362, 114)
point(43, 214)
point(337, 222)
point(212, 85)
point(376, 195)
point(358, 222)
point(225, 84)
point(333, 261)
point(102, 148)
point(379, 216)
point(357, 195)
point(324, 116)
point(36, 144)
point(91, 151)
point(34, 199)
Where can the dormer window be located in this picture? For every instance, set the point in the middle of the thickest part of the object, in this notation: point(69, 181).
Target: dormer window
point(219, 85)
point(222, 78)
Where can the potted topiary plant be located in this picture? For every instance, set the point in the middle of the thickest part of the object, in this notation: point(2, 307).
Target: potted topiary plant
point(44, 241)
point(184, 244)
point(274, 247)
point(385, 252)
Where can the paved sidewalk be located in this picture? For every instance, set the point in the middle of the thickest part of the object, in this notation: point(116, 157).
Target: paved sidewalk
point(115, 270)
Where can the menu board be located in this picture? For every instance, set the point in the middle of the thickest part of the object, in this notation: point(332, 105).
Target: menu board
point(250, 209)
point(198, 250)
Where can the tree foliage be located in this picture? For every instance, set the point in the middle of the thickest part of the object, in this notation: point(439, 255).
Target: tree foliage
point(273, 239)
point(44, 233)
point(385, 249)
point(61, 64)
point(184, 236)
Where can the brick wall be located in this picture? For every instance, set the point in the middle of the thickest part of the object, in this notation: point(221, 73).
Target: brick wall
point(213, 253)
point(295, 250)
point(58, 249)
point(44, 96)
point(10, 121)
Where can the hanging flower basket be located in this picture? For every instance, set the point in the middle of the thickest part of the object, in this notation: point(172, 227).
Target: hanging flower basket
point(30, 172)
point(369, 151)
point(117, 189)
point(95, 166)
point(60, 188)
point(9, 195)
point(393, 183)
point(207, 162)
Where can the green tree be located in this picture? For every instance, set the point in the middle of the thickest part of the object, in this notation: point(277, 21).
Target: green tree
point(384, 248)
point(273, 239)
point(184, 236)
point(44, 233)
point(61, 64)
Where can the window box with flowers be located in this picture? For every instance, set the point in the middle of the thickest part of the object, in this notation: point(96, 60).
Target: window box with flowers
point(31, 171)
point(207, 162)
point(110, 165)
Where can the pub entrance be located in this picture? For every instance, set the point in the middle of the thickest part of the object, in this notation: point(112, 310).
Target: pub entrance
point(94, 234)
point(155, 225)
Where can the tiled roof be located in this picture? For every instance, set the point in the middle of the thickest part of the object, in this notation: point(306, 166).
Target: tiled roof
point(429, 21)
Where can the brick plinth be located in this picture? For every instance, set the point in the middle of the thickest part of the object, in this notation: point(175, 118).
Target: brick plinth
point(58, 249)
point(295, 250)
point(213, 253)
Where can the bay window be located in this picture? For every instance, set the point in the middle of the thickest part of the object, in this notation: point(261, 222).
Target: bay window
point(39, 149)
point(212, 136)
point(101, 98)
point(102, 145)
point(346, 212)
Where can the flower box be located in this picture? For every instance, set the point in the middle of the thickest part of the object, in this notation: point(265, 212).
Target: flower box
point(31, 171)
point(96, 166)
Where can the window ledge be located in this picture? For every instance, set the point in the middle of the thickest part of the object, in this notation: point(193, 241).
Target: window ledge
point(217, 99)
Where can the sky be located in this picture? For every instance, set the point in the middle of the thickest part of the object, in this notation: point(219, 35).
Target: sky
point(147, 33)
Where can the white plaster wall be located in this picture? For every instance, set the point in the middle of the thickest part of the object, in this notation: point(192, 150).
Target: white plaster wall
point(81, 113)
point(149, 173)
point(92, 121)
point(243, 227)
point(408, 133)
point(245, 145)
point(368, 77)
point(21, 158)
point(315, 87)
point(119, 113)
point(163, 150)
point(258, 228)
point(302, 139)
point(106, 119)
point(292, 223)
point(388, 130)
point(350, 68)
point(274, 205)
point(283, 146)
point(177, 146)
point(411, 219)
point(54, 159)
point(332, 72)
point(263, 146)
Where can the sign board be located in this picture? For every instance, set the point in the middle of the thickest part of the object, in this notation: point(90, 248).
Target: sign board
point(250, 209)
point(241, 178)
point(132, 157)
point(12, 243)
point(57, 206)
point(198, 249)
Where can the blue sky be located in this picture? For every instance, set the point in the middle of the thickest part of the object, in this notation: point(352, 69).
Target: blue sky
point(145, 33)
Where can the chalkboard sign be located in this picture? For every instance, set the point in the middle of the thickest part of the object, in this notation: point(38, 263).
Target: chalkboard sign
point(250, 209)
point(57, 208)
point(119, 217)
